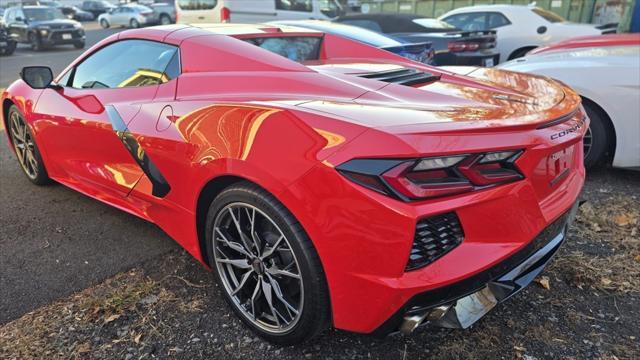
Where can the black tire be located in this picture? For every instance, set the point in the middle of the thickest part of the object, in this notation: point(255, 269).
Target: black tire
point(134, 24)
point(598, 138)
point(11, 47)
point(314, 314)
point(104, 24)
point(34, 41)
point(165, 19)
point(22, 138)
point(79, 45)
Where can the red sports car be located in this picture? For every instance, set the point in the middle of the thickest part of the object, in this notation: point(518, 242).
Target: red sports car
point(325, 182)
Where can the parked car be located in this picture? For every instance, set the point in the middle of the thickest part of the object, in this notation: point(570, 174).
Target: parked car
point(452, 46)
point(163, 13)
point(605, 71)
point(311, 188)
point(97, 7)
point(43, 26)
point(8, 43)
point(520, 28)
point(421, 52)
point(132, 16)
point(253, 11)
point(75, 13)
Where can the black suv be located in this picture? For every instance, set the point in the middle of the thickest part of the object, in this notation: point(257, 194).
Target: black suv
point(43, 26)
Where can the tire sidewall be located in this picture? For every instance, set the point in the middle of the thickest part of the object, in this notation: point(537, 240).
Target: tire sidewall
point(312, 276)
point(43, 177)
point(104, 24)
point(599, 138)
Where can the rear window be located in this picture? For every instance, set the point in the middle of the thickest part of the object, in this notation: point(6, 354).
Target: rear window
point(434, 24)
point(548, 15)
point(197, 4)
point(296, 48)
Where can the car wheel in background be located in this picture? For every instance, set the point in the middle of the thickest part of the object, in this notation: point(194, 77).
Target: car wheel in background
point(11, 47)
point(520, 52)
point(266, 265)
point(165, 19)
point(25, 147)
point(79, 45)
point(104, 23)
point(35, 43)
point(598, 138)
point(134, 24)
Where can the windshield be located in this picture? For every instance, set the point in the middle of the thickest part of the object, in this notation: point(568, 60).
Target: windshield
point(433, 24)
point(296, 48)
point(548, 15)
point(43, 14)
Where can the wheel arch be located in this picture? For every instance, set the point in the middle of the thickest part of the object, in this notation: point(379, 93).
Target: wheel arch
point(522, 48)
point(6, 105)
point(611, 150)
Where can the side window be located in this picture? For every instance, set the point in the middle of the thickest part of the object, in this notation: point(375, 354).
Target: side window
point(497, 20)
point(367, 24)
point(197, 4)
point(469, 21)
point(127, 63)
point(295, 5)
point(8, 16)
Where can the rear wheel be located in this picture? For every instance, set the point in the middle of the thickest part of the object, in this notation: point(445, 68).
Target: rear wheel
point(26, 149)
point(11, 47)
point(520, 53)
point(266, 265)
point(597, 140)
point(134, 24)
point(165, 19)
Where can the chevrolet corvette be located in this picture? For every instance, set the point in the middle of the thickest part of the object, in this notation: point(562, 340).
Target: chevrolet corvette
point(323, 181)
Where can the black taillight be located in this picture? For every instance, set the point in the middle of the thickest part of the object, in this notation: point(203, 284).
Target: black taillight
point(424, 178)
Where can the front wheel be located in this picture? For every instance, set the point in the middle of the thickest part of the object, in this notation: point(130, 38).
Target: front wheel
point(79, 45)
point(26, 149)
point(34, 41)
point(266, 265)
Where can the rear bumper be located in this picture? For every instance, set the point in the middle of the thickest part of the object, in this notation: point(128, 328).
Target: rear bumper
point(457, 303)
point(477, 58)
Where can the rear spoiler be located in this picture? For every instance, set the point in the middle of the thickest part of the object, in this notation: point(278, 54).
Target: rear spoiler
point(608, 28)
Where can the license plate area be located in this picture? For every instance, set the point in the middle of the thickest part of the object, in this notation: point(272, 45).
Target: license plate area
point(488, 62)
point(559, 164)
point(66, 36)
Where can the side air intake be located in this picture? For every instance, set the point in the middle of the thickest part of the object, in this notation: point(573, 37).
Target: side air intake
point(406, 77)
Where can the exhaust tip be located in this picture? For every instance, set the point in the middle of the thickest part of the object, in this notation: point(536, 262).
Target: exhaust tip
point(411, 322)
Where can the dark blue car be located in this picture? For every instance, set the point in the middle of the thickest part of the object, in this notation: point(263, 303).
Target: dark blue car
point(416, 51)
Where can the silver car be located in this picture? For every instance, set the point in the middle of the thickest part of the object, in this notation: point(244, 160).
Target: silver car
point(130, 15)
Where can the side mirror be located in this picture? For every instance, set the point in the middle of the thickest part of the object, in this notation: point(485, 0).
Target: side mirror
point(542, 29)
point(37, 77)
point(19, 19)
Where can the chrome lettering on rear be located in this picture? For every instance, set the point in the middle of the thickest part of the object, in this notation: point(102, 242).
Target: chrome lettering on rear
point(568, 131)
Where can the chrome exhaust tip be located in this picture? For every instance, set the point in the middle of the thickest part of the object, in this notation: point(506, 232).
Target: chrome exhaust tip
point(411, 322)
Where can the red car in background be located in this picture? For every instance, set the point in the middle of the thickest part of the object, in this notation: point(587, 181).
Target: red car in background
point(324, 181)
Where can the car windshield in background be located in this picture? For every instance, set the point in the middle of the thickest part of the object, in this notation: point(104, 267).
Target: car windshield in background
point(43, 14)
point(296, 48)
point(548, 15)
point(434, 24)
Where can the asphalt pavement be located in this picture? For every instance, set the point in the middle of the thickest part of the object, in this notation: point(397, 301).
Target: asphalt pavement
point(53, 240)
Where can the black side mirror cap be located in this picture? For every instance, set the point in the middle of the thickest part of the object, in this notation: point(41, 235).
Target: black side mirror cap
point(37, 77)
point(542, 29)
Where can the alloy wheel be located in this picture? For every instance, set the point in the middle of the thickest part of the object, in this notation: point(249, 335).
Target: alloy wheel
point(258, 268)
point(587, 142)
point(23, 145)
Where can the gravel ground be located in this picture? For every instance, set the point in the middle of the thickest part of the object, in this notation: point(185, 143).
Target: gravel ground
point(586, 305)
